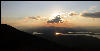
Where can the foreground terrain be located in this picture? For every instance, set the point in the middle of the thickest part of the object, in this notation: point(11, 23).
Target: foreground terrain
point(15, 40)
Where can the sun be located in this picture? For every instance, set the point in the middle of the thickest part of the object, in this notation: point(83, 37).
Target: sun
point(53, 16)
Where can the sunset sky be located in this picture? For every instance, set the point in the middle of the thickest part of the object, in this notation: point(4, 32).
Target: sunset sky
point(31, 13)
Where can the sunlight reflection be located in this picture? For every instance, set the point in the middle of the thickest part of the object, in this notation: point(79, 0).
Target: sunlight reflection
point(59, 33)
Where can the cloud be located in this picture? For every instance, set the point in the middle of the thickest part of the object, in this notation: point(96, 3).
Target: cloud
point(92, 15)
point(73, 13)
point(92, 7)
point(57, 19)
point(35, 18)
point(42, 18)
point(29, 21)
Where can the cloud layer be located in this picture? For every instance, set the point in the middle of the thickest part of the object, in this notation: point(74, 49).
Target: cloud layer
point(92, 7)
point(32, 17)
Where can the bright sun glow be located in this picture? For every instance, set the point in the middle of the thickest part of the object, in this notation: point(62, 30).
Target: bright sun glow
point(55, 14)
point(51, 18)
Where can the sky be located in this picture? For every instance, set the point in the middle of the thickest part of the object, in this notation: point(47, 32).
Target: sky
point(29, 13)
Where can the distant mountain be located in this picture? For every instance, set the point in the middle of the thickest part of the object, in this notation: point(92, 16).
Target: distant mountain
point(15, 40)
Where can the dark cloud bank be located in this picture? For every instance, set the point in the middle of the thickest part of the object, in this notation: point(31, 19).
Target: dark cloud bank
point(92, 15)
